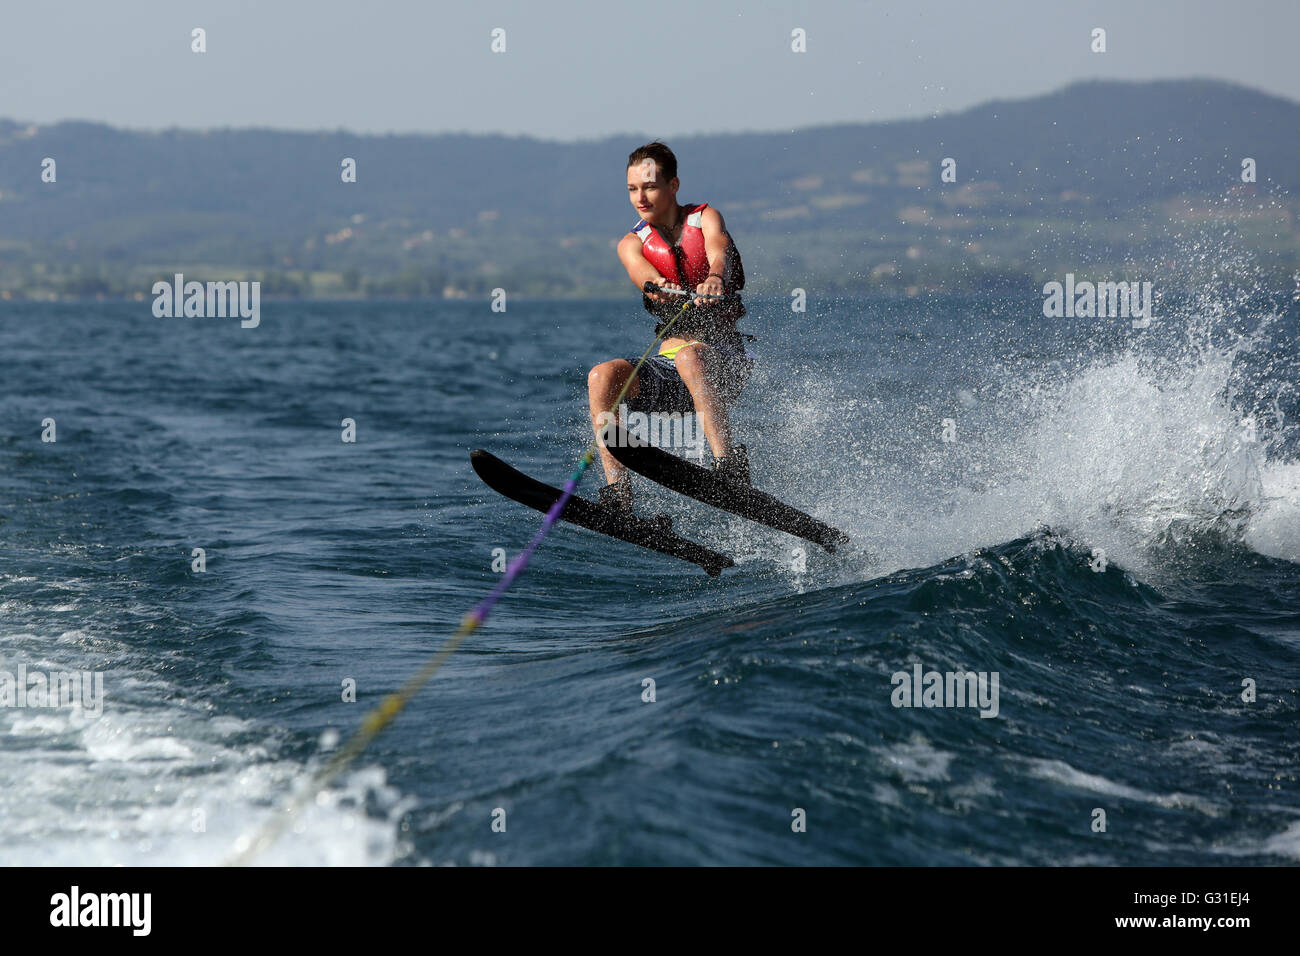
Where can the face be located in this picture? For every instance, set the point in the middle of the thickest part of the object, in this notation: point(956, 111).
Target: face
point(653, 199)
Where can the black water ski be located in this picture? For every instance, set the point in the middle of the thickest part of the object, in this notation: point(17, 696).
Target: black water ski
point(517, 486)
point(694, 481)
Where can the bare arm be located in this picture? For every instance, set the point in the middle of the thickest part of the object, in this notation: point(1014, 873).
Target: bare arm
point(639, 270)
point(717, 246)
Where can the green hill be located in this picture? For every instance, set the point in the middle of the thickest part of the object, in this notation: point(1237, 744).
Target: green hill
point(1094, 176)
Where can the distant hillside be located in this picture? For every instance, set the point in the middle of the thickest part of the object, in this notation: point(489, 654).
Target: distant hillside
point(1095, 174)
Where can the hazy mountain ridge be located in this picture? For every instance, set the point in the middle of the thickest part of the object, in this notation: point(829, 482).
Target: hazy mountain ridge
point(1087, 176)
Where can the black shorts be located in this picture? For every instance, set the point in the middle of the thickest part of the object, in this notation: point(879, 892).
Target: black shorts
point(662, 389)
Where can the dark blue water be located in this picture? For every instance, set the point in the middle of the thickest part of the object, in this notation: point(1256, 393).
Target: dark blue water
point(1103, 533)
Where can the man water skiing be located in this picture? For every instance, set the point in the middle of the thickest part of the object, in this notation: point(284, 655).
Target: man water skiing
point(675, 254)
point(702, 366)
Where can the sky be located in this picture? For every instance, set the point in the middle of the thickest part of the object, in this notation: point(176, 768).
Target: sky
point(587, 69)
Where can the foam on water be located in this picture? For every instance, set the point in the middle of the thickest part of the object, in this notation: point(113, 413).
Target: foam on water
point(1274, 528)
point(1061, 772)
point(1137, 455)
point(159, 779)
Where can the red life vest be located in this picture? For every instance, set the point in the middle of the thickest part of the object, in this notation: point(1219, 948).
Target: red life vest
point(686, 264)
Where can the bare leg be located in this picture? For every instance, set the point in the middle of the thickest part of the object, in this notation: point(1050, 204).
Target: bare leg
point(693, 366)
point(603, 385)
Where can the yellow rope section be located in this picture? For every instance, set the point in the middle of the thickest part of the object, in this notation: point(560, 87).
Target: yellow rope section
point(374, 723)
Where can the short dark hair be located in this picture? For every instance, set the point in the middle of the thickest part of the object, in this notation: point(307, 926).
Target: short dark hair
point(660, 153)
